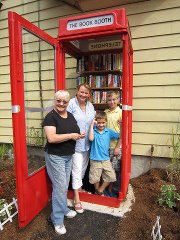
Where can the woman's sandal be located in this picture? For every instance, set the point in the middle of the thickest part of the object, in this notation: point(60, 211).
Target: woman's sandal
point(78, 207)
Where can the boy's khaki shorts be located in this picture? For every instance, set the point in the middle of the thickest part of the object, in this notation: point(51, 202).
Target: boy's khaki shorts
point(101, 168)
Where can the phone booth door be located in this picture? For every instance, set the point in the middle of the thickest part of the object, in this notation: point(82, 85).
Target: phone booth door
point(32, 52)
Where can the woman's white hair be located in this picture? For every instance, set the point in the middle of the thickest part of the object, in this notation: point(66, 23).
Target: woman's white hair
point(62, 93)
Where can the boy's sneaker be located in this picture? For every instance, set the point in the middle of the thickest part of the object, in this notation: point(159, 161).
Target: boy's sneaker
point(99, 193)
point(78, 207)
point(71, 214)
point(60, 229)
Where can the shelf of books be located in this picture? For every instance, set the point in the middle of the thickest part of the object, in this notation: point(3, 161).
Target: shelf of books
point(103, 73)
point(100, 62)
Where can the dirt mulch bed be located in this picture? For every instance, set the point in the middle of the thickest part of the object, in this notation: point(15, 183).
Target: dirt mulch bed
point(136, 225)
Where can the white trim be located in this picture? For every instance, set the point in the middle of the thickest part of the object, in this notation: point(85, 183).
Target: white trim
point(15, 108)
point(127, 108)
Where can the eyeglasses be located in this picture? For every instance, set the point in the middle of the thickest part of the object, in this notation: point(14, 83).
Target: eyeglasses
point(61, 101)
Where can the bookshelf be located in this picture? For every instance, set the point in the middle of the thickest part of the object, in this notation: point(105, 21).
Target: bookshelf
point(103, 73)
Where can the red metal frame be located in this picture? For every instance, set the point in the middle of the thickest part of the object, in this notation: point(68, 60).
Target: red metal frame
point(32, 191)
point(125, 126)
point(120, 27)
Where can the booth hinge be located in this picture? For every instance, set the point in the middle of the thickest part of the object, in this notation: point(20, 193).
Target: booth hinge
point(127, 108)
point(15, 108)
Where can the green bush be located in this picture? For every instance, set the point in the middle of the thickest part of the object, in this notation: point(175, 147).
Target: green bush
point(168, 196)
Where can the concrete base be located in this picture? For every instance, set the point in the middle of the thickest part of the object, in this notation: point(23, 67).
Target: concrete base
point(142, 164)
point(124, 207)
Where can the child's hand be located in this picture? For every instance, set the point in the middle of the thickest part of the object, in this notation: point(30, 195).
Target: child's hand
point(94, 122)
point(116, 151)
point(119, 121)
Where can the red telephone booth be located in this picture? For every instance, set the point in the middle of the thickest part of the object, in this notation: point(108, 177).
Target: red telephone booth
point(101, 44)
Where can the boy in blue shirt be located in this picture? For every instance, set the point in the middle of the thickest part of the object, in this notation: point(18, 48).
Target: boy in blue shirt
point(100, 165)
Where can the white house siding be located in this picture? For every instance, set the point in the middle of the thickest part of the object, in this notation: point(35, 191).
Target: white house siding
point(155, 29)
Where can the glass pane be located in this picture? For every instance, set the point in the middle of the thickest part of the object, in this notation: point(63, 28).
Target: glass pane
point(39, 85)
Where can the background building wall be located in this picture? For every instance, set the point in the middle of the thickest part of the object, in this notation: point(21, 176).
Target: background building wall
point(155, 29)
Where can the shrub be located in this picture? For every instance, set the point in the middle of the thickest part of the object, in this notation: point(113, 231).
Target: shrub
point(168, 196)
point(4, 150)
point(173, 170)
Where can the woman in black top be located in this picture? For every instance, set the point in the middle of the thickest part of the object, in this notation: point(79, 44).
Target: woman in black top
point(62, 131)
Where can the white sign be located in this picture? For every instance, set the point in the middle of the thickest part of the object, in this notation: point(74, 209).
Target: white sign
point(99, 21)
point(105, 45)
